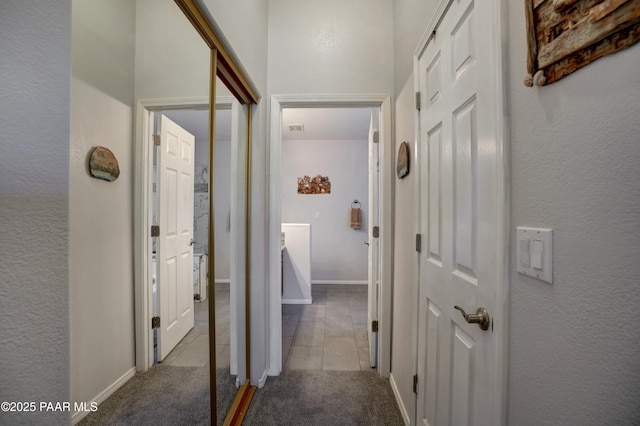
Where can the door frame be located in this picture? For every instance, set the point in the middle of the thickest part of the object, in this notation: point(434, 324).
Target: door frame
point(143, 147)
point(501, 326)
point(278, 102)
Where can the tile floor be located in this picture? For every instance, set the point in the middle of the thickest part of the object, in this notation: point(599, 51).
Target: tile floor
point(329, 334)
point(193, 350)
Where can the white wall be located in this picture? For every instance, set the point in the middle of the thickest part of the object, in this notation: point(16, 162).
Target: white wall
point(35, 59)
point(411, 18)
point(574, 344)
point(100, 212)
point(332, 46)
point(172, 60)
point(338, 252)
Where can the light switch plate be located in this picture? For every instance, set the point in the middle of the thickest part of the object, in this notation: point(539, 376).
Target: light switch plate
point(537, 261)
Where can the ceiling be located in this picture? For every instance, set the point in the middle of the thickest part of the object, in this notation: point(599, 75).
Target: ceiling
point(318, 123)
point(195, 121)
point(326, 123)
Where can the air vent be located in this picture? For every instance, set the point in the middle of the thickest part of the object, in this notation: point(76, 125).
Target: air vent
point(296, 128)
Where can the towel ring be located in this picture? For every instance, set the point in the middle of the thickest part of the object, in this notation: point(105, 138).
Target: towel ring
point(357, 204)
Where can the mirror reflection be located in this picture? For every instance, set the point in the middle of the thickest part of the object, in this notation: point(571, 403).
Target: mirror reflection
point(186, 268)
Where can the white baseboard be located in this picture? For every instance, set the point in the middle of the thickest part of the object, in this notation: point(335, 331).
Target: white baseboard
point(401, 406)
point(297, 301)
point(222, 281)
point(342, 282)
point(79, 415)
point(263, 379)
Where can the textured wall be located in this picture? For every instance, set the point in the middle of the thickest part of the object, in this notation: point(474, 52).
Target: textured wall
point(338, 252)
point(411, 18)
point(575, 156)
point(100, 212)
point(35, 65)
point(330, 47)
point(171, 59)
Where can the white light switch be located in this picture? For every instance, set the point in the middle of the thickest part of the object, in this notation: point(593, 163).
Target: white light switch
point(524, 251)
point(536, 257)
point(535, 253)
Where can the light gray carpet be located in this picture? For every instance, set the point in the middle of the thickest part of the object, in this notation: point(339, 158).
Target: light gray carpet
point(320, 398)
point(165, 395)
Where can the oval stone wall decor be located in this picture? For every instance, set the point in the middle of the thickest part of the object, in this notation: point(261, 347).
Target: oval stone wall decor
point(103, 164)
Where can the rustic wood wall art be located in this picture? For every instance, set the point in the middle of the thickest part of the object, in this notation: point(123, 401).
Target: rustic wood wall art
point(402, 168)
point(316, 185)
point(565, 35)
point(103, 164)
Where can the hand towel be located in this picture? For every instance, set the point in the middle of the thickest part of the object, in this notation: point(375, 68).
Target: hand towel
point(356, 218)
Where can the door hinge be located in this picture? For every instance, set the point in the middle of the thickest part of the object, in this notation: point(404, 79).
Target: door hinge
point(155, 231)
point(376, 232)
point(418, 101)
point(374, 326)
point(376, 137)
point(156, 140)
point(415, 384)
point(419, 243)
point(155, 322)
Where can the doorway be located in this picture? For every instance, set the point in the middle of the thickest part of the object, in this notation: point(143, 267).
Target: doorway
point(278, 106)
point(326, 250)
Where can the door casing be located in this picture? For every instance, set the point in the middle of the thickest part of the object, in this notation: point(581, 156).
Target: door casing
point(278, 102)
point(142, 220)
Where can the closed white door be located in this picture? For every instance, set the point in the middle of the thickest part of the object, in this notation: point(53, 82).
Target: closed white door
point(462, 221)
point(373, 221)
point(175, 243)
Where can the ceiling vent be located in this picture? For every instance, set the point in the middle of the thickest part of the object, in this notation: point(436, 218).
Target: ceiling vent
point(296, 128)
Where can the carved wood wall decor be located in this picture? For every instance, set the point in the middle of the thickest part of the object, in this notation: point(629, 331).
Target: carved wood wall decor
point(315, 185)
point(565, 35)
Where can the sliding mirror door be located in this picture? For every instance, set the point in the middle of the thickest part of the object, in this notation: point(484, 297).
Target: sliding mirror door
point(193, 270)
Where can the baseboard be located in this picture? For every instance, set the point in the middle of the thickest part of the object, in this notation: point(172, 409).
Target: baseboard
point(341, 282)
point(222, 281)
point(297, 301)
point(401, 406)
point(79, 415)
point(263, 379)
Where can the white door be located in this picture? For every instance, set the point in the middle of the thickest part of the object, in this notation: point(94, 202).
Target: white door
point(174, 249)
point(374, 241)
point(462, 213)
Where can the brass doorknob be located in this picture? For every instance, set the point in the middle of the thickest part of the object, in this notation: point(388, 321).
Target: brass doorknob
point(481, 317)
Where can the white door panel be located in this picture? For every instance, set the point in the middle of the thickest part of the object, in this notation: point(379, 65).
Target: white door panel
point(459, 219)
point(175, 243)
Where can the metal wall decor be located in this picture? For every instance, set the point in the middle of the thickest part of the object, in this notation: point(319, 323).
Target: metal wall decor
point(565, 35)
point(103, 164)
point(314, 185)
point(402, 167)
